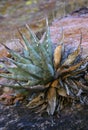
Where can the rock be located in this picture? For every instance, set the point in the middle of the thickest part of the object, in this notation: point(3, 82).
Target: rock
point(72, 26)
point(12, 44)
point(20, 118)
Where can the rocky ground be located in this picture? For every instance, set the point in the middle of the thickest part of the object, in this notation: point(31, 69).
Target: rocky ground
point(75, 118)
point(20, 118)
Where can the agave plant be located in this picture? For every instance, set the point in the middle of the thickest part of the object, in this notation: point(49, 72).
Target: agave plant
point(45, 68)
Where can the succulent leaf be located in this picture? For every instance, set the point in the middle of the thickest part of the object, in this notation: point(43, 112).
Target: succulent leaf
point(25, 85)
point(49, 45)
point(19, 58)
point(14, 77)
point(30, 68)
point(34, 56)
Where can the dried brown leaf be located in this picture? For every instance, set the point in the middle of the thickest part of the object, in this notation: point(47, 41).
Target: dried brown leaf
point(66, 71)
point(54, 84)
point(36, 101)
point(62, 92)
point(51, 98)
point(57, 56)
point(42, 108)
point(81, 85)
point(71, 58)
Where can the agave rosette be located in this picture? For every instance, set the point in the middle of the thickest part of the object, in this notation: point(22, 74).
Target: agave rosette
point(43, 67)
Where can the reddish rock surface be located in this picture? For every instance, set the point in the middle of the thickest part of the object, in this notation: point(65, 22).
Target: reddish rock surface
point(12, 44)
point(72, 26)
